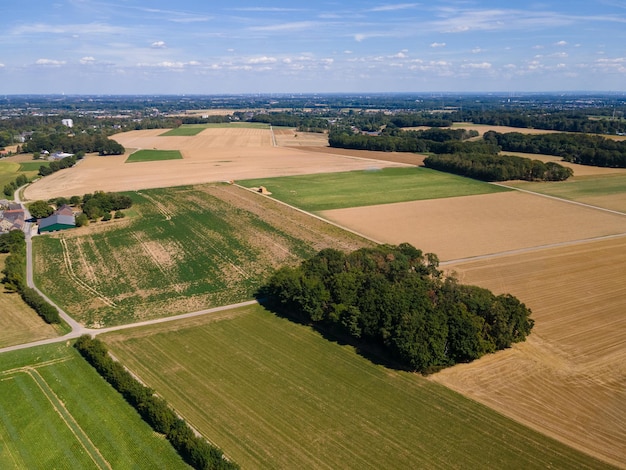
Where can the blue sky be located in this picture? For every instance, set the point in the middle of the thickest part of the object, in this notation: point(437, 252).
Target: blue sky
point(207, 47)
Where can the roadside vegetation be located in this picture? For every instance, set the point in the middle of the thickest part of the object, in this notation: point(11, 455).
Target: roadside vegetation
point(194, 450)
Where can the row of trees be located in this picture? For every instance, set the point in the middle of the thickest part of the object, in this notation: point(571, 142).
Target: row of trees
point(498, 167)
point(54, 166)
point(567, 121)
point(70, 143)
point(396, 299)
point(396, 140)
point(194, 450)
point(9, 188)
point(576, 148)
point(14, 272)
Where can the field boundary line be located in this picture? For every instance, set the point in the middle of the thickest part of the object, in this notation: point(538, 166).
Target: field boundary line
point(330, 222)
point(78, 432)
point(70, 269)
point(556, 198)
point(532, 249)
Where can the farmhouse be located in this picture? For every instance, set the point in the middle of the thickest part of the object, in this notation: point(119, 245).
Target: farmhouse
point(56, 222)
point(12, 219)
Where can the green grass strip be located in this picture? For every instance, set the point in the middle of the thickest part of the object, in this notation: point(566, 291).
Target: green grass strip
point(329, 191)
point(154, 156)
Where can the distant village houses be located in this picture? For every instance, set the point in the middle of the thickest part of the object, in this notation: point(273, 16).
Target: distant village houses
point(11, 216)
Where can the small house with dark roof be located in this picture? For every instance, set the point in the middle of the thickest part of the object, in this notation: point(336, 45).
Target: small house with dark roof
point(56, 222)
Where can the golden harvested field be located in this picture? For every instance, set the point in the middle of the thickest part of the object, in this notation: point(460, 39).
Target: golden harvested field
point(463, 227)
point(215, 154)
point(18, 322)
point(289, 137)
point(568, 380)
point(579, 170)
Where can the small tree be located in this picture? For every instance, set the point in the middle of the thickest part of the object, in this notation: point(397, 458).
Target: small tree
point(40, 209)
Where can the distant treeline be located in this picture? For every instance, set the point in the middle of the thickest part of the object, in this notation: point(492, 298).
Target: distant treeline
point(576, 148)
point(194, 450)
point(395, 140)
point(79, 143)
point(570, 121)
point(498, 167)
point(14, 272)
point(395, 299)
point(302, 122)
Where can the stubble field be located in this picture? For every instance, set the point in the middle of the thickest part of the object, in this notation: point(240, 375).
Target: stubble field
point(215, 154)
point(568, 380)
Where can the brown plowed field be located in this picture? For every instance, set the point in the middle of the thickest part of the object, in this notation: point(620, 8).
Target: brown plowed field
point(568, 379)
point(470, 226)
point(216, 154)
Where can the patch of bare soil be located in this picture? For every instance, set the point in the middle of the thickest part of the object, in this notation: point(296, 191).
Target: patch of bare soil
point(568, 380)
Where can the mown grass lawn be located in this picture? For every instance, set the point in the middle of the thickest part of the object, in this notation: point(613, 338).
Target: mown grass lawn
point(153, 156)
point(320, 192)
point(275, 394)
point(57, 412)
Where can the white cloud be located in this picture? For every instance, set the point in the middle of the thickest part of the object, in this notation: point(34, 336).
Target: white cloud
point(87, 60)
point(360, 37)
point(438, 44)
point(476, 50)
point(262, 60)
point(398, 6)
point(481, 65)
point(561, 43)
point(293, 26)
point(158, 45)
point(50, 62)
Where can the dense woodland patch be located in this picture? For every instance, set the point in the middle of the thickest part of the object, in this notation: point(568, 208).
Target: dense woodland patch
point(396, 299)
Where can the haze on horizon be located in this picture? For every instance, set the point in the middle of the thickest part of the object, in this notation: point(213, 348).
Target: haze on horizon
point(195, 47)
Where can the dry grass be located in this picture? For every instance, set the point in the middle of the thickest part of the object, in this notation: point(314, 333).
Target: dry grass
point(18, 322)
point(213, 155)
point(568, 379)
point(470, 226)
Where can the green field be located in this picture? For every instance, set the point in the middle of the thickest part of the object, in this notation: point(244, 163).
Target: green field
point(187, 130)
point(607, 190)
point(153, 156)
point(275, 394)
point(187, 249)
point(57, 412)
point(329, 191)
point(33, 166)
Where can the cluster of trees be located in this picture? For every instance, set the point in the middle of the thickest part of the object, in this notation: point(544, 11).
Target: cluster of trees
point(301, 121)
point(396, 140)
point(14, 272)
point(498, 167)
point(395, 299)
point(9, 188)
point(70, 143)
point(101, 204)
point(576, 148)
point(54, 166)
point(194, 450)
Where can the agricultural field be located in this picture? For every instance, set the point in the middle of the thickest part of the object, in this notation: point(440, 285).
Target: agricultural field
point(330, 191)
point(187, 130)
point(153, 156)
point(275, 394)
point(607, 191)
point(216, 154)
point(187, 249)
point(57, 412)
point(11, 167)
point(463, 227)
point(18, 322)
point(568, 380)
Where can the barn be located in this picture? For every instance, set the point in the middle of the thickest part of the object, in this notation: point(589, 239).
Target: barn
point(56, 222)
